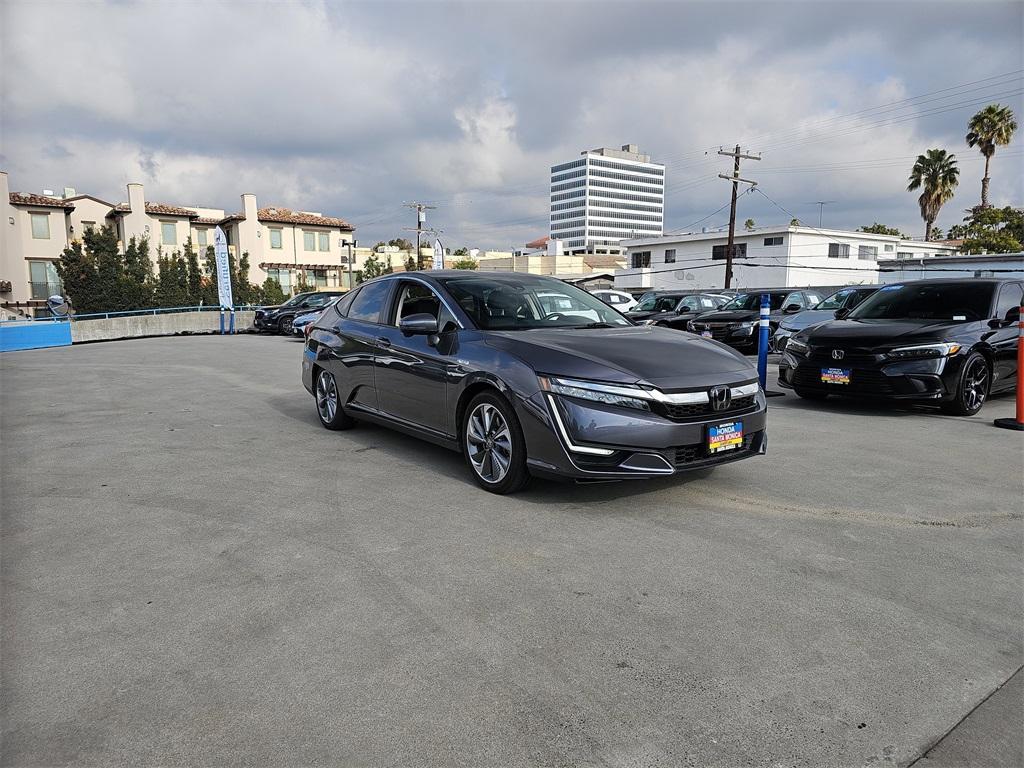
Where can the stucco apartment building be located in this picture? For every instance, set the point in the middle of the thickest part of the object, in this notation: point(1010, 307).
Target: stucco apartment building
point(281, 243)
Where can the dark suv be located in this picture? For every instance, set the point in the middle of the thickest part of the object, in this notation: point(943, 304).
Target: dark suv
point(674, 310)
point(279, 319)
point(736, 323)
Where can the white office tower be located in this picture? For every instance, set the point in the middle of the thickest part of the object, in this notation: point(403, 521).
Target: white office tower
point(606, 196)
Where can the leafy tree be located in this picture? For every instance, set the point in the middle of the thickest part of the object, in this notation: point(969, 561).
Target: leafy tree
point(372, 267)
point(410, 264)
point(936, 234)
point(748, 224)
point(994, 230)
point(77, 270)
point(992, 127)
point(193, 275)
point(270, 293)
point(380, 244)
point(936, 174)
point(461, 252)
point(388, 269)
point(794, 222)
point(466, 263)
point(881, 229)
point(402, 244)
point(302, 286)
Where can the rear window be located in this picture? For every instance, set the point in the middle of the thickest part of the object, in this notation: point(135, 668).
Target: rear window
point(941, 302)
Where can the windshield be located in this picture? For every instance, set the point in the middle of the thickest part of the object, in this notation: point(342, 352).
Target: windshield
point(512, 305)
point(752, 301)
point(848, 297)
point(655, 303)
point(297, 299)
point(950, 302)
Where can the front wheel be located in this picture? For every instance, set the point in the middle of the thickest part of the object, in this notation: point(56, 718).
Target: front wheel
point(328, 404)
point(493, 444)
point(285, 326)
point(972, 388)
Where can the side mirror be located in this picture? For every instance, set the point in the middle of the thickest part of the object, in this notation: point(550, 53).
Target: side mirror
point(842, 313)
point(791, 309)
point(1012, 316)
point(420, 324)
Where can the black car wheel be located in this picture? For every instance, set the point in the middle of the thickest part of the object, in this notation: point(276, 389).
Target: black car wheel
point(493, 444)
point(328, 405)
point(285, 326)
point(972, 388)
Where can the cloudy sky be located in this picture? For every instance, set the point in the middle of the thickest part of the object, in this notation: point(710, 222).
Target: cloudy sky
point(353, 108)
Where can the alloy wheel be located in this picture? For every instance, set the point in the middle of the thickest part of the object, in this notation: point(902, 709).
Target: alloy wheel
point(975, 384)
point(326, 396)
point(489, 443)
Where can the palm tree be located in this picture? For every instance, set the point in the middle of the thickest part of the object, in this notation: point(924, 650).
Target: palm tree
point(936, 173)
point(992, 127)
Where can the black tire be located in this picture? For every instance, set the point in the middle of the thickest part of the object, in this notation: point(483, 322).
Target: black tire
point(284, 326)
point(810, 394)
point(328, 404)
point(485, 452)
point(972, 387)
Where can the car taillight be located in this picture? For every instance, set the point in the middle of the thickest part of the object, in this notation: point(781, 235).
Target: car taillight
point(307, 330)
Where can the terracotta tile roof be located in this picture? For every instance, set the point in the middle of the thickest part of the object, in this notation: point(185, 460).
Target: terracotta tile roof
point(159, 209)
point(205, 220)
point(603, 260)
point(540, 242)
point(286, 216)
point(288, 265)
point(42, 201)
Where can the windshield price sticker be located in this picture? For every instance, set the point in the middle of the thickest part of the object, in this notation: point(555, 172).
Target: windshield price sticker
point(835, 375)
point(725, 437)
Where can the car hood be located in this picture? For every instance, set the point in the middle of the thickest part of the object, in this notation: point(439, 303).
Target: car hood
point(642, 315)
point(273, 308)
point(728, 316)
point(668, 359)
point(807, 317)
point(877, 333)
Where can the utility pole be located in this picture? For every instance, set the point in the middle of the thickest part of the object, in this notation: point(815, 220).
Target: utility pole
point(421, 219)
point(736, 155)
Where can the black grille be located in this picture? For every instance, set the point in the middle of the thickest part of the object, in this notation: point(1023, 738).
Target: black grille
point(863, 381)
point(693, 410)
point(851, 358)
point(697, 453)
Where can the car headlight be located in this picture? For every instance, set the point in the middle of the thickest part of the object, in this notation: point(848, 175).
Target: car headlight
point(622, 395)
point(794, 345)
point(923, 351)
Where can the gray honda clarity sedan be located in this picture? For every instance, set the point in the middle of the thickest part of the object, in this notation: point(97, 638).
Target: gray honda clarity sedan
point(528, 375)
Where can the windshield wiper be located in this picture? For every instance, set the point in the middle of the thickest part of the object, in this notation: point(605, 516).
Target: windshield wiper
point(595, 325)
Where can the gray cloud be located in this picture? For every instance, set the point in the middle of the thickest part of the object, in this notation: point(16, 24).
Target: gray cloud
point(352, 109)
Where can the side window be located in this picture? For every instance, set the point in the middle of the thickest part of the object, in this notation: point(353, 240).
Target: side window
point(1009, 297)
point(690, 304)
point(318, 300)
point(369, 302)
point(416, 299)
point(345, 302)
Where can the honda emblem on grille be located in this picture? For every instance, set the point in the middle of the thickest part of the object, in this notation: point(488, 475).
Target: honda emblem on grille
point(837, 354)
point(720, 398)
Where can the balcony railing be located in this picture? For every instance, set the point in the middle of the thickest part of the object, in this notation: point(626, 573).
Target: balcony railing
point(44, 290)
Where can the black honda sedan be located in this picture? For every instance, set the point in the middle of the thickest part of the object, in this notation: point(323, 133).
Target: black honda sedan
point(947, 342)
point(736, 323)
point(479, 362)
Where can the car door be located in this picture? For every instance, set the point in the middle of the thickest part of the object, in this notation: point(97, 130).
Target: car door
point(352, 353)
point(412, 370)
point(1004, 338)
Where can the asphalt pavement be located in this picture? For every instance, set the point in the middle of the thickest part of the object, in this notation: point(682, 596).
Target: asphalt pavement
point(194, 572)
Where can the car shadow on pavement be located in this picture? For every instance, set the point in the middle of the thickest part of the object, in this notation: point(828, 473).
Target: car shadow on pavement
point(865, 407)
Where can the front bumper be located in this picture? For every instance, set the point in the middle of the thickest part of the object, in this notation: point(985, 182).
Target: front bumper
point(736, 335)
point(579, 439)
point(265, 322)
point(923, 380)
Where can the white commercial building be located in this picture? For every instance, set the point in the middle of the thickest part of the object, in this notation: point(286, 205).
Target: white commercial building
point(784, 257)
point(606, 196)
point(1007, 265)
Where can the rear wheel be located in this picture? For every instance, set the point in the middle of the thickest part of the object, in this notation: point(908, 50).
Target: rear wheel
point(328, 404)
point(285, 326)
point(972, 388)
point(810, 394)
point(493, 444)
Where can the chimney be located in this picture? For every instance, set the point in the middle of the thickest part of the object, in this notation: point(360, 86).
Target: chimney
point(136, 199)
point(249, 210)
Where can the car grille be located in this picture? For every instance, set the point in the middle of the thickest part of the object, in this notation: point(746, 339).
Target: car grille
point(697, 453)
point(719, 331)
point(863, 381)
point(852, 358)
point(695, 410)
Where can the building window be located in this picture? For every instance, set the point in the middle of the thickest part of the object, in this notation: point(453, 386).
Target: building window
point(309, 240)
point(40, 226)
point(904, 255)
point(88, 226)
point(641, 260)
point(283, 278)
point(44, 279)
point(201, 237)
point(739, 251)
point(325, 240)
point(320, 278)
point(838, 251)
point(670, 255)
point(275, 238)
point(867, 252)
point(888, 247)
point(168, 233)
point(773, 240)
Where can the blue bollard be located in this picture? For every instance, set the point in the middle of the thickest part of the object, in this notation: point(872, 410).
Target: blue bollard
point(222, 322)
point(231, 330)
point(762, 342)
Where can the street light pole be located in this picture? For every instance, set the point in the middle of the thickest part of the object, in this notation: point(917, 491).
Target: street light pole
point(351, 245)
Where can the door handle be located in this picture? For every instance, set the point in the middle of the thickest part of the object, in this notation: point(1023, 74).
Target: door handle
point(383, 342)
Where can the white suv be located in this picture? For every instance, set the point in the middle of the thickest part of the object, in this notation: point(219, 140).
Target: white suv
point(619, 300)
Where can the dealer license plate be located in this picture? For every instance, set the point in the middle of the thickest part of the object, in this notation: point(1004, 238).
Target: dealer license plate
point(835, 375)
point(725, 437)
point(706, 334)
